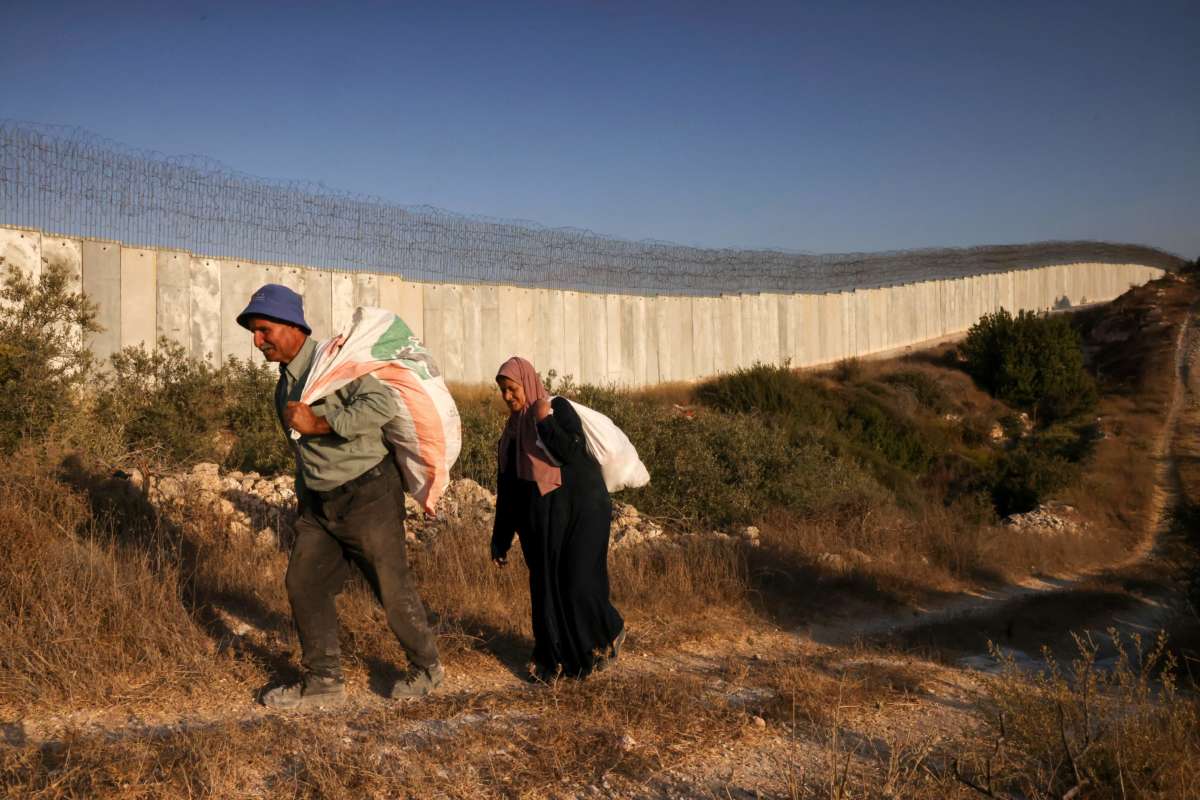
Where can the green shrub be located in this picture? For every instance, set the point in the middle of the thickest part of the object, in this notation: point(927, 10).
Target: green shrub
point(716, 470)
point(1030, 361)
point(43, 358)
point(183, 410)
point(483, 418)
point(258, 442)
point(163, 401)
point(870, 422)
point(924, 389)
point(857, 416)
point(1025, 476)
point(771, 390)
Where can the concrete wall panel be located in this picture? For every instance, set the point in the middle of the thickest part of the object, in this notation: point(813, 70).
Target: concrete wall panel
point(139, 298)
point(834, 338)
point(728, 351)
point(523, 330)
point(683, 357)
point(67, 254)
point(239, 280)
point(435, 331)
point(810, 331)
point(773, 345)
point(554, 315)
point(662, 323)
point(704, 321)
point(343, 300)
point(318, 302)
point(21, 249)
point(650, 310)
point(614, 369)
point(492, 352)
point(473, 336)
point(204, 312)
point(174, 298)
point(633, 340)
point(405, 299)
point(366, 289)
point(593, 339)
point(572, 334)
point(102, 285)
point(451, 354)
point(506, 302)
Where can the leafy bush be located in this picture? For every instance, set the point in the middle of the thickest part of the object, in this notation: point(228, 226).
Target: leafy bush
point(707, 470)
point(1023, 477)
point(857, 417)
point(722, 469)
point(258, 442)
point(183, 410)
point(483, 418)
point(868, 421)
point(165, 401)
point(43, 358)
point(772, 390)
point(924, 388)
point(1032, 362)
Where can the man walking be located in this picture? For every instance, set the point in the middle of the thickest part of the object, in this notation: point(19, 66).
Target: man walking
point(351, 509)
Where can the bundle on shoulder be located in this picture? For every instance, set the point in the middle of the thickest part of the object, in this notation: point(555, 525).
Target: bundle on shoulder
point(425, 436)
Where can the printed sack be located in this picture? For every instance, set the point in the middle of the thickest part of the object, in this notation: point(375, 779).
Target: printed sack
point(425, 436)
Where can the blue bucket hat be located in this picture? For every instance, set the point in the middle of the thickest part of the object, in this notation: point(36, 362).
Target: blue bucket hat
point(278, 303)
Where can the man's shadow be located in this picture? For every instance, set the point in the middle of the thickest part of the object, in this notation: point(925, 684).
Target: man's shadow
point(127, 510)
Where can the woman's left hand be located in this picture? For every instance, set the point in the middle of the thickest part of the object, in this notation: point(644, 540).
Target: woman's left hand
point(541, 409)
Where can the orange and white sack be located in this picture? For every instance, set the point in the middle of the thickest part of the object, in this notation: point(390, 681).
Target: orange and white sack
point(426, 433)
point(608, 444)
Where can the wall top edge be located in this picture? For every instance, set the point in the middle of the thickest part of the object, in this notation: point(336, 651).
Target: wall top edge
point(529, 287)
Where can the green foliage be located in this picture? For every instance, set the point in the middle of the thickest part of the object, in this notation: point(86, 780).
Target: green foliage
point(183, 410)
point(1032, 362)
point(43, 360)
point(249, 415)
point(163, 401)
point(721, 469)
point(1039, 465)
point(483, 418)
point(707, 470)
point(924, 389)
point(771, 390)
point(855, 419)
point(1024, 476)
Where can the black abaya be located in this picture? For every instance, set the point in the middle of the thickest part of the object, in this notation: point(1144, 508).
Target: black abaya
point(564, 538)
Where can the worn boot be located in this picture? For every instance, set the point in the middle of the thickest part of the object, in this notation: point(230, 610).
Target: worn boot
point(418, 681)
point(313, 691)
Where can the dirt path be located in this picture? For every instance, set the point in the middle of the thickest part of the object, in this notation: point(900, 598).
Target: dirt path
point(1071, 601)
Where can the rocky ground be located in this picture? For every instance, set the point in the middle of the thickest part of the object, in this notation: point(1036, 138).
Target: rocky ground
point(263, 507)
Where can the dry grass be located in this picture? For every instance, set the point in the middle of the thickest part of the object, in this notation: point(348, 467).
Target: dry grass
point(530, 743)
point(88, 618)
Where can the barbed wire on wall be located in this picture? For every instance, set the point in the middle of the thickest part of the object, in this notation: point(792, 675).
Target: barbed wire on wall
point(71, 182)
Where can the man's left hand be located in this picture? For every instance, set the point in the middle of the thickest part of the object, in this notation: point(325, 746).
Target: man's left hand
point(300, 418)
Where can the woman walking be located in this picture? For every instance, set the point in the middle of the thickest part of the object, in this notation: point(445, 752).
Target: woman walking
point(551, 494)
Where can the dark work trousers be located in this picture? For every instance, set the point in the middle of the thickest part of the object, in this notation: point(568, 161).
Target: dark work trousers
point(363, 524)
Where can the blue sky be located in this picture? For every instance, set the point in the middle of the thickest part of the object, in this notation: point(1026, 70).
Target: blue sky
point(815, 127)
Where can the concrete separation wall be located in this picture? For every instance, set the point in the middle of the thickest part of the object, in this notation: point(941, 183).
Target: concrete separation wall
point(630, 340)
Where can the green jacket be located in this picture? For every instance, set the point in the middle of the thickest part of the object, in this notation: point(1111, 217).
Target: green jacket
point(356, 412)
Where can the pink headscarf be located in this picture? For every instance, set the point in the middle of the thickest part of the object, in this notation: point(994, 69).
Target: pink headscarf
point(532, 463)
